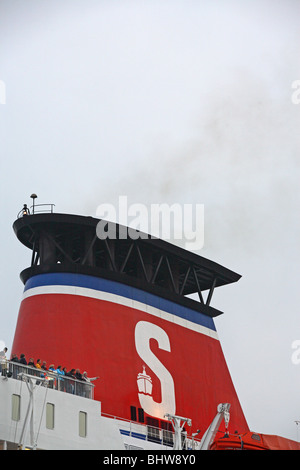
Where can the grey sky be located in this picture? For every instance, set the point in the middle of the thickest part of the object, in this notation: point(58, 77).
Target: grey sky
point(168, 101)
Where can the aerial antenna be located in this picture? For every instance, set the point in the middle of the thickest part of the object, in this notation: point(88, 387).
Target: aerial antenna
point(33, 197)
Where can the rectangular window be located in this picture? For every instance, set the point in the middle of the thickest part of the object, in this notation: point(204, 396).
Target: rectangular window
point(167, 433)
point(82, 424)
point(15, 407)
point(153, 430)
point(141, 415)
point(49, 416)
point(133, 413)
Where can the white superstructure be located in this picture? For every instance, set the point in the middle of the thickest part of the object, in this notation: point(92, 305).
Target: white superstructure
point(38, 413)
point(54, 420)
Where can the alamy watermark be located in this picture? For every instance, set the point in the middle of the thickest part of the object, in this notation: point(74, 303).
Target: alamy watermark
point(296, 94)
point(183, 222)
point(2, 92)
point(296, 353)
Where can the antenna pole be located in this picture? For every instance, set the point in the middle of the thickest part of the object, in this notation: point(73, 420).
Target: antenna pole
point(33, 197)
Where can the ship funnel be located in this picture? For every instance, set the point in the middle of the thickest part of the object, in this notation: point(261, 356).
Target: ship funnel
point(122, 309)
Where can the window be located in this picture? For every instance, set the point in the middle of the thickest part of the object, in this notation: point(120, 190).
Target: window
point(82, 423)
point(49, 416)
point(141, 415)
point(133, 413)
point(153, 429)
point(15, 407)
point(167, 433)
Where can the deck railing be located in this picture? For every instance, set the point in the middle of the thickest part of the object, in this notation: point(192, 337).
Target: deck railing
point(153, 434)
point(36, 209)
point(39, 208)
point(54, 380)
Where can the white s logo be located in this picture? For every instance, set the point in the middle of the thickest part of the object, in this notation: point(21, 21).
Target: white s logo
point(144, 331)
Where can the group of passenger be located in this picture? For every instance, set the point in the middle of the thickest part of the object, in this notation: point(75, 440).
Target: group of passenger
point(76, 383)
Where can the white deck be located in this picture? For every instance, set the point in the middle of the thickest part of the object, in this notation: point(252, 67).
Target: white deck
point(101, 432)
point(73, 422)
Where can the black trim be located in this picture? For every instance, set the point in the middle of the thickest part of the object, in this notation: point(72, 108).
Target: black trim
point(69, 243)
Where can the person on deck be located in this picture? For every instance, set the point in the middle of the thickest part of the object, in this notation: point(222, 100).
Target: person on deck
point(3, 362)
point(61, 373)
point(88, 387)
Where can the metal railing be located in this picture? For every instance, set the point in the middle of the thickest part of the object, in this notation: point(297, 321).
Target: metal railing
point(144, 431)
point(54, 380)
point(46, 208)
point(36, 209)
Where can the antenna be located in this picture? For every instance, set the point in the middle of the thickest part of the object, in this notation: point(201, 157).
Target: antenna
point(33, 197)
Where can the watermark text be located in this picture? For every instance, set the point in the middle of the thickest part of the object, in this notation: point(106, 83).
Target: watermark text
point(2, 92)
point(296, 353)
point(296, 94)
point(183, 222)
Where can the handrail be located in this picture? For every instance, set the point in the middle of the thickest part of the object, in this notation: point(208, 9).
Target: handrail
point(55, 380)
point(155, 434)
point(25, 211)
point(34, 211)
